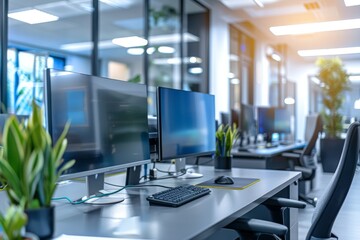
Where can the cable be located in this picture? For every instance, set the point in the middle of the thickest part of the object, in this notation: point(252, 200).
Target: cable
point(138, 186)
point(81, 201)
point(162, 171)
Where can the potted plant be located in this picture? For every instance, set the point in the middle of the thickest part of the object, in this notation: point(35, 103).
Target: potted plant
point(30, 166)
point(12, 224)
point(225, 138)
point(334, 81)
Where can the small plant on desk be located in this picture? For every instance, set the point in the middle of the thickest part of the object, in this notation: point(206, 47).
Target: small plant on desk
point(30, 167)
point(225, 139)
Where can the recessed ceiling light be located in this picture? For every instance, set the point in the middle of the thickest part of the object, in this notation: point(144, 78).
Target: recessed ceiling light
point(289, 100)
point(196, 70)
point(166, 49)
point(150, 50)
point(172, 38)
point(350, 3)
point(307, 28)
point(135, 51)
point(328, 52)
point(235, 81)
point(128, 42)
point(33, 16)
point(276, 57)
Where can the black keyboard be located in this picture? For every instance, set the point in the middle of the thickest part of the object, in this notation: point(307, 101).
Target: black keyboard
point(178, 196)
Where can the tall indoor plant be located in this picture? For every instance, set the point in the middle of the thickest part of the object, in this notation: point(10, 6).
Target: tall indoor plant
point(30, 166)
point(226, 136)
point(334, 81)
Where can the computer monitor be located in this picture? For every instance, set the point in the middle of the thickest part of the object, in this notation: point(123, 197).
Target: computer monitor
point(247, 120)
point(273, 120)
point(282, 121)
point(108, 124)
point(186, 123)
point(265, 119)
point(225, 118)
point(235, 117)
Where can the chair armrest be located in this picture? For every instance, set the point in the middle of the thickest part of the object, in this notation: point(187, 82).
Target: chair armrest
point(298, 151)
point(258, 226)
point(290, 155)
point(284, 202)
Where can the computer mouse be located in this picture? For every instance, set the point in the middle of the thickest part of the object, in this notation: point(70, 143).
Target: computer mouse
point(224, 180)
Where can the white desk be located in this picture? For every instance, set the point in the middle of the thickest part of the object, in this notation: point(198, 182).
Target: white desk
point(135, 218)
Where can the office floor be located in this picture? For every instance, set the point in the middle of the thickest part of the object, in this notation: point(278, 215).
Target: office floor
point(346, 224)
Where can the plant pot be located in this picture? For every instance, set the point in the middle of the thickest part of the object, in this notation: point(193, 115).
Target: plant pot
point(330, 153)
point(223, 163)
point(41, 222)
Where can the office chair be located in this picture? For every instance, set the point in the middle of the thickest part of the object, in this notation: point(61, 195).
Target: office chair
point(328, 206)
point(305, 160)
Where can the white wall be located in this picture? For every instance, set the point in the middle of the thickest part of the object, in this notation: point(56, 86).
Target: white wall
point(219, 63)
point(262, 73)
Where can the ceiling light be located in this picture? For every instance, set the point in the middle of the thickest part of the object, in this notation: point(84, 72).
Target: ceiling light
point(307, 28)
point(176, 60)
point(235, 81)
point(128, 42)
point(350, 3)
point(135, 51)
point(165, 49)
point(231, 75)
point(260, 4)
point(328, 52)
point(196, 70)
point(150, 50)
point(33, 16)
point(172, 38)
point(276, 57)
point(117, 3)
point(289, 101)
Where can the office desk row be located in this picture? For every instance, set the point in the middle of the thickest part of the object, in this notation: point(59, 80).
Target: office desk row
point(262, 158)
point(135, 218)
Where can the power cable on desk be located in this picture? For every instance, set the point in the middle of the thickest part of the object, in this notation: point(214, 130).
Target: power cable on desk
point(81, 201)
point(138, 186)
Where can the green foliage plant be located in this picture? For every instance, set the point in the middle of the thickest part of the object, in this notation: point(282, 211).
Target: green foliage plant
point(12, 223)
point(29, 164)
point(334, 81)
point(225, 138)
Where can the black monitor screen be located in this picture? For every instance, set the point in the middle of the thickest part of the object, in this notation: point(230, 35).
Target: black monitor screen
point(108, 121)
point(247, 120)
point(265, 118)
point(282, 121)
point(186, 123)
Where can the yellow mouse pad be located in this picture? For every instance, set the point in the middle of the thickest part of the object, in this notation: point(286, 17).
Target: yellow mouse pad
point(239, 183)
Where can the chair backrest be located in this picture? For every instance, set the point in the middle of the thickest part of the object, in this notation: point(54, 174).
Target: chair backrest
point(313, 126)
point(330, 203)
point(310, 124)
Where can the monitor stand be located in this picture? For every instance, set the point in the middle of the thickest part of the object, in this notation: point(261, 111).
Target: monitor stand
point(95, 186)
point(180, 168)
